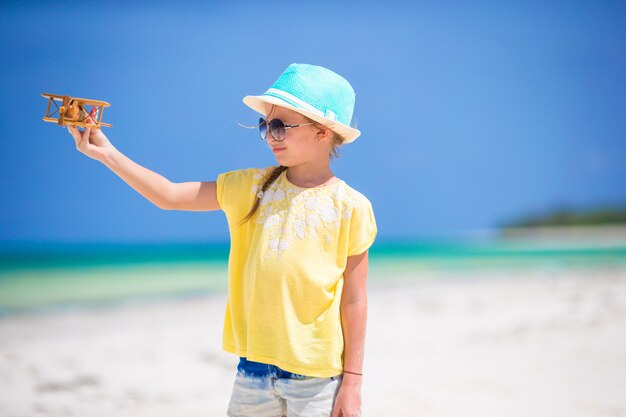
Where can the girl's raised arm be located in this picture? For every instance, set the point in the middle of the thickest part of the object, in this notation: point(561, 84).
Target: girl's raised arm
point(191, 196)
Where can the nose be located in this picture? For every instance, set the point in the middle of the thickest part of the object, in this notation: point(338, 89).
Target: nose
point(271, 138)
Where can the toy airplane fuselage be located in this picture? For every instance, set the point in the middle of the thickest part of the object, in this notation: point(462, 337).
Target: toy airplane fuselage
point(75, 111)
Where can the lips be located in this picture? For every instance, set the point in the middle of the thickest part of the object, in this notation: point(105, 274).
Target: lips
point(277, 149)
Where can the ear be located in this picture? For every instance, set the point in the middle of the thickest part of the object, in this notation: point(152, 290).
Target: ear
point(324, 133)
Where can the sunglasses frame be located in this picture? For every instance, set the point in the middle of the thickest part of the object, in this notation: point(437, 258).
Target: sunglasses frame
point(285, 126)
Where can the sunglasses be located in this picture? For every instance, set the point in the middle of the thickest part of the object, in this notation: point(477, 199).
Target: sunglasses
point(277, 128)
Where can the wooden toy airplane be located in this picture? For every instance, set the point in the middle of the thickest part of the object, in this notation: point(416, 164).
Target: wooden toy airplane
point(75, 111)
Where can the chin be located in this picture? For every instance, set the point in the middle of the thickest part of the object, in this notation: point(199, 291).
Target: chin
point(282, 161)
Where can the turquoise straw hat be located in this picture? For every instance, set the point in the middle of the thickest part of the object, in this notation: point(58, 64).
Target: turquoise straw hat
point(316, 92)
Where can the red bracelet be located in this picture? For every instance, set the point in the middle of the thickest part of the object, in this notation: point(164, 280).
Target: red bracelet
point(353, 373)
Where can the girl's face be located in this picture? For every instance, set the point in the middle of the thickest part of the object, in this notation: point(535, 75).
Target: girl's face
point(303, 144)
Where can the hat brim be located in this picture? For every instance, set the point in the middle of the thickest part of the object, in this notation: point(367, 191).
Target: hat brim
point(257, 103)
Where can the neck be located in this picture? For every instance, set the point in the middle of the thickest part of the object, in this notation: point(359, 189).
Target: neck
point(310, 175)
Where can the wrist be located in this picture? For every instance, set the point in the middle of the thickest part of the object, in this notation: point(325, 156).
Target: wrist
point(353, 373)
point(111, 157)
point(351, 379)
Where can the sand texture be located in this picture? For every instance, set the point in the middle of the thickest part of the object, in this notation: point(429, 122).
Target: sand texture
point(541, 343)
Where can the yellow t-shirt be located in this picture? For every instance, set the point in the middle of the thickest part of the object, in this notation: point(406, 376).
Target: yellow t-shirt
point(285, 269)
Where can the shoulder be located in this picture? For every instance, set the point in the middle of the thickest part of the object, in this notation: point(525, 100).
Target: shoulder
point(355, 197)
point(238, 185)
point(243, 174)
point(362, 222)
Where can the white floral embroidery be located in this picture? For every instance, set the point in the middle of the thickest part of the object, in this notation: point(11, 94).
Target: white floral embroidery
point(312, 220)
point(311, 203)
point(288, 212)
point(298, 226)
point(272, 221)
point(279, 195)
point(329, 213)
point(269, 195)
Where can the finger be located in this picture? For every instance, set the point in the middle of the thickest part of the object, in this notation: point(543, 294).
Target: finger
point(84, 137)
point(75, 134)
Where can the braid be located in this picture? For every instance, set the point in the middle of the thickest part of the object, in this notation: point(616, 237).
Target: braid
point(266, 184)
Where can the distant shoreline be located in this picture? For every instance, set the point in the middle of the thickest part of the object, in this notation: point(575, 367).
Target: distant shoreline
point(608, 234)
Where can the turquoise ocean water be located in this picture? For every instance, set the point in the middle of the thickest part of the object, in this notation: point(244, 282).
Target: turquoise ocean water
point(44, 277)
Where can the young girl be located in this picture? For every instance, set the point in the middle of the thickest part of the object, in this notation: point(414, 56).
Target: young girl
point(297, 306)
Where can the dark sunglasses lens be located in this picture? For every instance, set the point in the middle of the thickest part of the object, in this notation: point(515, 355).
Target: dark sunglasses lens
point(262, 128)
point(277, 129)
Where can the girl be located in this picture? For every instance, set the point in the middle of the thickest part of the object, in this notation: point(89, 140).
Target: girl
point(297, 306)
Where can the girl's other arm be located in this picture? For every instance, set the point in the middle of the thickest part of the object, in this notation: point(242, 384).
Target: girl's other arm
point(192, 196)
point(354, 313)
point(353, 323)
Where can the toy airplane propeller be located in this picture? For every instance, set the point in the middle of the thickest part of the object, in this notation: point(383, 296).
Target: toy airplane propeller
point(75, 111)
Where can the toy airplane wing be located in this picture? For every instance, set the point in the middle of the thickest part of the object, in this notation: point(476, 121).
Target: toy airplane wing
point(74, 111)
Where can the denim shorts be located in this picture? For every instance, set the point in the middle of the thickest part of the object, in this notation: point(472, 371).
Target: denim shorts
point(264, 390)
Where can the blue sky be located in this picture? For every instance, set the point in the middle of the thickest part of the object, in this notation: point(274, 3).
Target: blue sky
point(471, 114)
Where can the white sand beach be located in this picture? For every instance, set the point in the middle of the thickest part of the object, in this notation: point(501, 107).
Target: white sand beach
point(532, 342)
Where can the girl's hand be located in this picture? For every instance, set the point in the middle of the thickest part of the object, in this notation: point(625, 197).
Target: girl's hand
point(91, 142)
point(347, 402)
